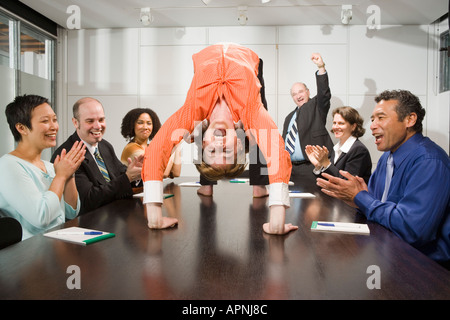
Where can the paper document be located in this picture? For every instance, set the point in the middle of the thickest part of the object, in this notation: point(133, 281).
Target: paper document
point(344, 227)
point(305, 195)
point(190, 184)
point(78, 235)
point(241, 180)
point(141, 195)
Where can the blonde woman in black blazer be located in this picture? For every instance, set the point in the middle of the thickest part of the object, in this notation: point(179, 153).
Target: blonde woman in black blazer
point(349, 154)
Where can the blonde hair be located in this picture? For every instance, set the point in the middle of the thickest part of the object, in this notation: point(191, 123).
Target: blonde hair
point(214, 174)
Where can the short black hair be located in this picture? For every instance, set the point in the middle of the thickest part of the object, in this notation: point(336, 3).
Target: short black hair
point(130, 119)
point(407, 103)
point(19, 111)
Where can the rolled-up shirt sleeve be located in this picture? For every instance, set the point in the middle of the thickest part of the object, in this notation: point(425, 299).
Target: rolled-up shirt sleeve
point(279, 194)
point(153, 191)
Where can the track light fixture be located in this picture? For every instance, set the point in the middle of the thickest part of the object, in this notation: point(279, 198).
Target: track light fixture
point(242, 15)
point(146, 16)
point(346, 13)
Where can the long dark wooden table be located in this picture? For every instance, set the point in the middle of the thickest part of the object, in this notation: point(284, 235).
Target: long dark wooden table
point(219, 251)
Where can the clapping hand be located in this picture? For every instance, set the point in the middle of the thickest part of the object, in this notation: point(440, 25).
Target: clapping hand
point(344, 189)
point(135, 168)
point(318, 156)
point(67, 163)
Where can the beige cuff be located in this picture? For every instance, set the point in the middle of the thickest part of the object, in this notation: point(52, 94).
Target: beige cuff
point(279, 194)
point(153, 192)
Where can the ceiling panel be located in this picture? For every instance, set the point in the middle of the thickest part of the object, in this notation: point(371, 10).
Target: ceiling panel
point(191, 13)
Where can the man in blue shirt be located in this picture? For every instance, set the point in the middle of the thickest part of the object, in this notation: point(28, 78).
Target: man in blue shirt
point(416, 204)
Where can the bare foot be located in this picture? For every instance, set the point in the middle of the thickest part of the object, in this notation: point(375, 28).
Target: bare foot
point(260, 191)
point(205, 191)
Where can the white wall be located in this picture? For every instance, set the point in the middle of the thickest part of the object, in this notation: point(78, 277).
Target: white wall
point(152, 67)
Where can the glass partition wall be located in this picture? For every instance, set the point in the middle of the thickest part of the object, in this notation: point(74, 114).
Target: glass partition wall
point(444, 66)
point(27, 60)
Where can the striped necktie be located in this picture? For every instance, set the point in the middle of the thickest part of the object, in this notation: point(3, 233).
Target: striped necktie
point(101, 165)
point(389, 172)
point(291, 136)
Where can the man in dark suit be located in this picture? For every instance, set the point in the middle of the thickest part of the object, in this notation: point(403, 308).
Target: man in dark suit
point(101, 178)
point(310, 117)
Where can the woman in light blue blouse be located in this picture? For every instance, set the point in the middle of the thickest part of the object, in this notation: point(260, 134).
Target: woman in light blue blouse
point(39, 194)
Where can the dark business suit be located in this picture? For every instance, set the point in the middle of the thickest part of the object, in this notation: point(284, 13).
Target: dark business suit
point(356, 161)
point(92, 187)
point(311, 121)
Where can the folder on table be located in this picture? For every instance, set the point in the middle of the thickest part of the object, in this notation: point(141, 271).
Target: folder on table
point(141, 195)
point(343, 227)
point(79, 235)
point(304, 195)
point(240, 180)
point(190, 184)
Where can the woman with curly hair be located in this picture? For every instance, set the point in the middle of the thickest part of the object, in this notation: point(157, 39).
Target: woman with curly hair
point(349, 154)
point(139, 126)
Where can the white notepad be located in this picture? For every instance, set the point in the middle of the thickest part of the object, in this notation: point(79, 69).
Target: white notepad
point(141, 195)
point(77, 235)
point(343, 227)
point(240, 180)
point(304, 195)
point(190, 184)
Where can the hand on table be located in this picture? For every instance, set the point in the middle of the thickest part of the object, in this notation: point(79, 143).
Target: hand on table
point(156, 219)
point(276, 223)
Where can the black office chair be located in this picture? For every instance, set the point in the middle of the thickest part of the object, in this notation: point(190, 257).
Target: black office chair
point(10, 231)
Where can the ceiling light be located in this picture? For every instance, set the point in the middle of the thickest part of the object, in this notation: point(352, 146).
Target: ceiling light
point(242, 15)
point(206, 2)
point(346, 13)
point(146, 17)
point(265, 1)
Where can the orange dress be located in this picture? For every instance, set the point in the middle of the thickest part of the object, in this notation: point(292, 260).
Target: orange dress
point(228, 71)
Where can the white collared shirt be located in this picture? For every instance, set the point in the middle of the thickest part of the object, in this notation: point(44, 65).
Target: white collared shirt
point(338, 149)
point(91, 149)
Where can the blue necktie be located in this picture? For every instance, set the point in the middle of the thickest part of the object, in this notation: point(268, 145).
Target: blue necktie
point(291, 136)
point(101, 165)
point(389, 172)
